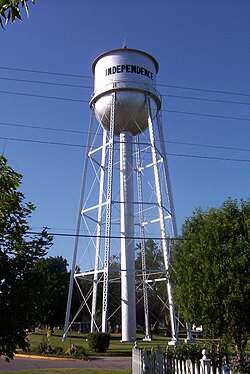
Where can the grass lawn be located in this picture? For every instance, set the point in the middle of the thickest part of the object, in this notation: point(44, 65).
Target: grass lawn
point(116, 348)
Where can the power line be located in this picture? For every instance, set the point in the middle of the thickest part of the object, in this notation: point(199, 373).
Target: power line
point(206, 99)
point(44, 96)
point(205, 90)
point(90, 87)
point(84, 146)
point(46, 83)
point(162, 110)
point(86, 132)
point(85, 101)
point(101, 236)
point(158, 84)
point(207, 115)
point(208, 157)
point(43, 142)
point(208, 146)
point(43, 128)
point(47, 72)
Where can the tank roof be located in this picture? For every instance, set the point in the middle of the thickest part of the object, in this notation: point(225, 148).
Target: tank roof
point(124, 50)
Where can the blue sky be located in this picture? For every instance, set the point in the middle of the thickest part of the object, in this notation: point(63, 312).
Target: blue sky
point(203, 51)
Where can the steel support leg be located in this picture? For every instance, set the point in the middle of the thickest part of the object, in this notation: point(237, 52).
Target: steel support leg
point(108, 215)
point(143, 249)
point(165, 241)
point(128, 307)
point(98, 234)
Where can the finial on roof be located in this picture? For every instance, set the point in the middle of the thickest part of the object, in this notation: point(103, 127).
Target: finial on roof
point(124, 43)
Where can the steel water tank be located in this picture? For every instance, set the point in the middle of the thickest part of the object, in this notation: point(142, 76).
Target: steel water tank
point(131, 74)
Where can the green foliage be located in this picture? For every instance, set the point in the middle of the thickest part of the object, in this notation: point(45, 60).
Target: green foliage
point(44, 348)
point(157, 292)
point(98, 341)
point(77, 352)
point(185, 352)
point(210, 271)
point(59, 351)
point(217, 354)
point(114, 294)
point(53, 279)
point(10, 10)
point(18, 255)
point(153, 256)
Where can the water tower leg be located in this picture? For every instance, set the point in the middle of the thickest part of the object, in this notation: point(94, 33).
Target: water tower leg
point(165, 241)
point(98, 234)
point(78, 225)
point(143, 247)
point(108, 215)
point(128, 308)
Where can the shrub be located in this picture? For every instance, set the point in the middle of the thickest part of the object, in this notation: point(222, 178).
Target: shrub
point(59, 351)
point(45, 348)
point(185, 352)
point(98, 341)
point(77, 352)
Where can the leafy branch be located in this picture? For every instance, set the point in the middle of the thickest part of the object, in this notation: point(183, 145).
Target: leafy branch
point(10, 10)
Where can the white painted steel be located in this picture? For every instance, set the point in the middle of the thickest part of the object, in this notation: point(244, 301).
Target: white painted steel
point(125, 103)
point(170, 200)
point(98, 236)
point(131, 73)
point(165, 241)
point(128, 309)
point(76, 243)
point(143, 245)
point(108, 217)
point(167, 177)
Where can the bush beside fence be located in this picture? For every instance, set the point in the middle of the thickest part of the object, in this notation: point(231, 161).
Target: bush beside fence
point(157, 362)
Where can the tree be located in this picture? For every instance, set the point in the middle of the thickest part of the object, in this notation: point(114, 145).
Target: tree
point(157, 291)
point(19, 251)
point(10, 10)
point(54, 279)
point(211, 272)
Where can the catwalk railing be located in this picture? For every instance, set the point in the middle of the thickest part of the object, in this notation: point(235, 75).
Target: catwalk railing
point(157, 362)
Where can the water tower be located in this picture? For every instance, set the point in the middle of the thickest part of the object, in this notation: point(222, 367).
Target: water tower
point(126, 194)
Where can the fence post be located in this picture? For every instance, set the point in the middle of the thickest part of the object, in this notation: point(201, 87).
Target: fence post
point(146, 362)
point(205, 363)
point(159, 361)
point(189, 367)
point(137, 360)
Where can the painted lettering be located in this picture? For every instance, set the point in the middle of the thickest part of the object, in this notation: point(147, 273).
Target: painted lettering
point(135, 69)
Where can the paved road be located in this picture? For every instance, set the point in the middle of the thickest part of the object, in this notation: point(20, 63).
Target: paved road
point(29, 363)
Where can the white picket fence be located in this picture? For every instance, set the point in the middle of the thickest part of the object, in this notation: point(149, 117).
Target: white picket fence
point(145, 362)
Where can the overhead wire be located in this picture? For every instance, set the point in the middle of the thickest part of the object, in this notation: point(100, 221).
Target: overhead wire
point(44, 96)
point(162, 110)
point(158, 84)
point(84, 146)
point(89, 87)
point(46, 72)
point(46, 83)
point(31, 232)
point(86, 133)
point(206, 99)
point(162, 94)
point(87, 101)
